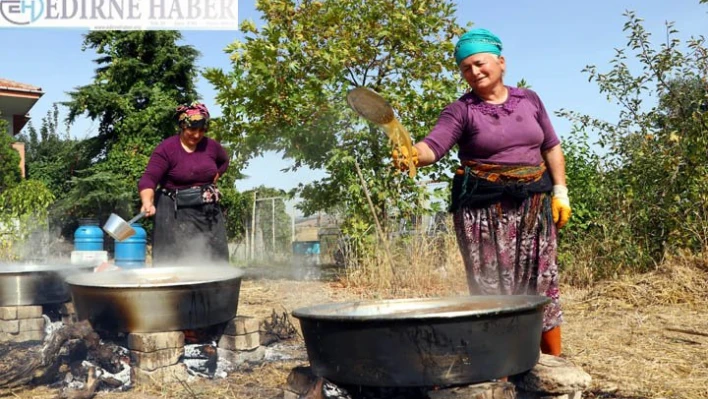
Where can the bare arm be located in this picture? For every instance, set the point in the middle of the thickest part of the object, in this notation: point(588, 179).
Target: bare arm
point(147, 197)
point(156, 168)
point(555, 161)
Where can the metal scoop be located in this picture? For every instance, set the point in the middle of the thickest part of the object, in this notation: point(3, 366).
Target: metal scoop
point(118, 228)
point(374, 108)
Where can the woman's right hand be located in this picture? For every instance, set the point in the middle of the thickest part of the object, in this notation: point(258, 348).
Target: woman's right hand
point(147, 198)
point(149, 209)
point(402, 159)
point(421, 155)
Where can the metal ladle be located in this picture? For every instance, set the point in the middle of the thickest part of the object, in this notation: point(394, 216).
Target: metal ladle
point(374, 108)
point(118, 228)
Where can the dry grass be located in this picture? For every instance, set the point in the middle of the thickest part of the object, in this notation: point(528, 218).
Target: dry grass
point(421, 266)
point(679, 280)
point(264, 381)
point(643, 336)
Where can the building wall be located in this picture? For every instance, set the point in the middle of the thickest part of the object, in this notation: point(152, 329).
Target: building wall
point(306, 233)
point(20, 147)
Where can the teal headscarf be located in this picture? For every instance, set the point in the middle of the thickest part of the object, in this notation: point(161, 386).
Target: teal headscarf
point(477, 41)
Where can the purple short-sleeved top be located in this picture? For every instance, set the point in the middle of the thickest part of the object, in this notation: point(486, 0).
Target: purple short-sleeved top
point(172, 167)
point(514, 132)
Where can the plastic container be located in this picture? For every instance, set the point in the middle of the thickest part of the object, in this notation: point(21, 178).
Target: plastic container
point(130, 253)
point(306, 247)
point(88, 237)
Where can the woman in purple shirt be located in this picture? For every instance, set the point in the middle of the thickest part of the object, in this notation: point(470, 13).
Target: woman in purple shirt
point(179, 188)
point(505, 218)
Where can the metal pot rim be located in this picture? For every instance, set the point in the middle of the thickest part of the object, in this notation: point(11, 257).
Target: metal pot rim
point(125, 279)
point(422, 308)
point(20, 268)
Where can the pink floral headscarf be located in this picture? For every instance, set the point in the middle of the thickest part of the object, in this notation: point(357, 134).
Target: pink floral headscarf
point(195, 115)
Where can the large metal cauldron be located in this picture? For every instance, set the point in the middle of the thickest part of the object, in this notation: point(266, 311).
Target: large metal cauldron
point(157, 299)
point(423, 342)
point(23, 284)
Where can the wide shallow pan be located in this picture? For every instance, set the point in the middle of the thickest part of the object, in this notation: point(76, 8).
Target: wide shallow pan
point(423, 342)
point(157, 299)
point(23, 284)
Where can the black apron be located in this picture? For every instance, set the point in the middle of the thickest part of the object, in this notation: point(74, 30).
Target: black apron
point(189, 235)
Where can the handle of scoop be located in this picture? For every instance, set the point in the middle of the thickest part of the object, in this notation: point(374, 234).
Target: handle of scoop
point(136, 218)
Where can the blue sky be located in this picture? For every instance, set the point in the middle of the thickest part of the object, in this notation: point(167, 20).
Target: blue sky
point(546, 42)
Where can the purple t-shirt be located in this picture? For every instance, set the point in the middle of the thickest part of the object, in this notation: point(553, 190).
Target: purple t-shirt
point(514, 132)
point(171, 166)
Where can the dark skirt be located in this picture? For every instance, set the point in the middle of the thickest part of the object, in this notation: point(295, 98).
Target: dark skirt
point(188, 236)
point(509, 248)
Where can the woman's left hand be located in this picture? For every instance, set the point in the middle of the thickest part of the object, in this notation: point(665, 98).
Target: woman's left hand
point(216, 178)
point(560, 206)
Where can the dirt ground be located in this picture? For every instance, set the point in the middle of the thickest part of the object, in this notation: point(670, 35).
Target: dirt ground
point(633, 345)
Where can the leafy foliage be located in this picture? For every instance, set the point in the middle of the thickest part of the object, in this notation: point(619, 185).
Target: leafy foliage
point(25, 199)
point(51, 156)
point(287, 88)
point(141, 78)
point(647, 195)
point(10, 173)
point(23, 203)
point(98, 194)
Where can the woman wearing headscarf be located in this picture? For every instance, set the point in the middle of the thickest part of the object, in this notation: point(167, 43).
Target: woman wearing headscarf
point(509, 194)
point(179, 188)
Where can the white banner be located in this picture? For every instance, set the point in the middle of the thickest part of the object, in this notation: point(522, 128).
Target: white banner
point(120, 14)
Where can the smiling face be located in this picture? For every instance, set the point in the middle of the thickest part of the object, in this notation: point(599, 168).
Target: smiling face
point(483, 71)
point(191, 136)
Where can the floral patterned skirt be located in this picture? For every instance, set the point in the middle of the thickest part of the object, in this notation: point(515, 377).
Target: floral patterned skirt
point(510, 248)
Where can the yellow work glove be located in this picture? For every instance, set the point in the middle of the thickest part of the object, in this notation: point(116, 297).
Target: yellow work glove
point(560, 206)
point(401, 158)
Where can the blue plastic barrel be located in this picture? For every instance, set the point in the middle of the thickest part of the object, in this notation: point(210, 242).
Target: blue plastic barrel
point(88, 237)
point(306, 247)
point(130, 253)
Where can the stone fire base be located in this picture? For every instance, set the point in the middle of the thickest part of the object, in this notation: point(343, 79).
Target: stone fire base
point(21, 324)
point(155, 357)
point(159, 357)
point(303, 384)
point(551, 378)
point(241, 341)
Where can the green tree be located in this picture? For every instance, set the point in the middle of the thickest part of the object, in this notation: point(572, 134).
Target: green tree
point(235, 205)
point(289, 79)
point(140, 79)
point(654, 174)
point(52, 156)
point(23, 203)
point(10, 173)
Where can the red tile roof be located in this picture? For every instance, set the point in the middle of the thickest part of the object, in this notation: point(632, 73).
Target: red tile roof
point(12, 85)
